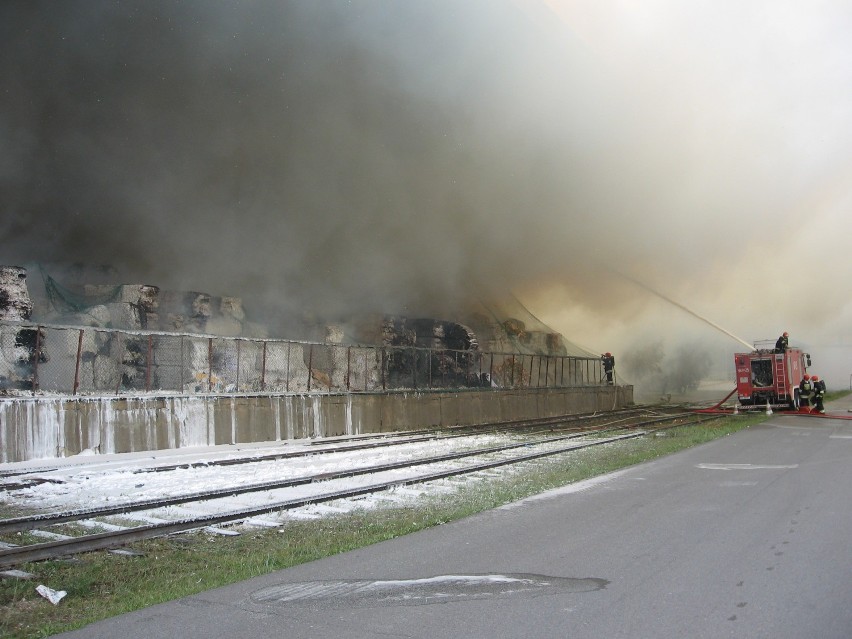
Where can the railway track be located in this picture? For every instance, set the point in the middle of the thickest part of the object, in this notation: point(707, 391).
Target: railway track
point(353, 443)
point(119, 535)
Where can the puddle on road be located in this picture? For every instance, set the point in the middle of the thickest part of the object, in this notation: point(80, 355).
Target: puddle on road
point(412, 592)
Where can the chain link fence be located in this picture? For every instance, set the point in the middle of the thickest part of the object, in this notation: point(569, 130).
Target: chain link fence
point(87, 360)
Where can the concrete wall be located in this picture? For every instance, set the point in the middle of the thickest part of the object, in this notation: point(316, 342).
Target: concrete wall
point(45, 428)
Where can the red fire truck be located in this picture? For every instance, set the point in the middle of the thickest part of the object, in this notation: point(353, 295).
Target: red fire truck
point(769, 376)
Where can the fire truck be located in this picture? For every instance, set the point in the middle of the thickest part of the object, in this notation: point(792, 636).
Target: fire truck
point(769, 376)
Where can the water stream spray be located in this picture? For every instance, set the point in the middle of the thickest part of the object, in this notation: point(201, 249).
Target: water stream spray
point(688, 310)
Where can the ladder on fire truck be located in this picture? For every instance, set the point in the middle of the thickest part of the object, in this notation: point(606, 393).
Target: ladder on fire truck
point(780, 376)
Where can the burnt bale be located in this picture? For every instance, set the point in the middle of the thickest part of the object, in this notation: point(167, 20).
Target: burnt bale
point(20, 348)
point(15, 302)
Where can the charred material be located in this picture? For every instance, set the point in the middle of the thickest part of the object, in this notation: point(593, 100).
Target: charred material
point(194, 312)
point(513, 335)
point(133, 305)
point(136, 337)
point(439, 353)
point(15, 302)
point(110, 360)
point(20, 349)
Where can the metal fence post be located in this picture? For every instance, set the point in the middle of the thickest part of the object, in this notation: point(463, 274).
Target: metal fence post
point(456, 361)
point(148, 362)
point(77, 363)
point(119, 338)
point(310, 365)
point(181, 382)
point(237, 382)
point(209, 364)
point(287, 369)
point(37, 358)
point(263, 368)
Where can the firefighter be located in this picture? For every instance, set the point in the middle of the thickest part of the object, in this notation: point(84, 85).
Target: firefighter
point(806, 390)
point(819, 393)
point(608, 366)
point(782, 343)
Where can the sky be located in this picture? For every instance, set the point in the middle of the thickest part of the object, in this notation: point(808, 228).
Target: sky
point(375, 156)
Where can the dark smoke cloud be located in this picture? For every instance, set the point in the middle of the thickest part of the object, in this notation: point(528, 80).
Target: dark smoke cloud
point(334, 156)
point(373, 155)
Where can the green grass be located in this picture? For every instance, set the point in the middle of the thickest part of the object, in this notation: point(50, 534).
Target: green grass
point(101, 585)
point(831, 395)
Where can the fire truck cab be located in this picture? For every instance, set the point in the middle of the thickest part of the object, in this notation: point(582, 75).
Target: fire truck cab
point(769, 376)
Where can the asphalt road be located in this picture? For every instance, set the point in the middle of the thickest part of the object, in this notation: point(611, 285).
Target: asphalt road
point(747, 536)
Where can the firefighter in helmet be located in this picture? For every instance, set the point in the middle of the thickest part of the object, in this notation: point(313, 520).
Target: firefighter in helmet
point(806, 391)
point(819, 393)
point(782, 343)
point(608, 366)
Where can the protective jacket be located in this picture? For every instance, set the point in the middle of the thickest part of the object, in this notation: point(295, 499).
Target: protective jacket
point(806, 389)
point(819, 393)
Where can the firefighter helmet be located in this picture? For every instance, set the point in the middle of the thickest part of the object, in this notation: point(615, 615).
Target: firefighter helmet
point(786, 334)
point(815, 378)
point(807, 376)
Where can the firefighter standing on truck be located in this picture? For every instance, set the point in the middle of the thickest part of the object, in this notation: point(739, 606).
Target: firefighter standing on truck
point(806, 390)
point(782, 343)
point(819, 393)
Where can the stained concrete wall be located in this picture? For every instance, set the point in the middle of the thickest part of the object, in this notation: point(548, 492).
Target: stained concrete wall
point(42, 428)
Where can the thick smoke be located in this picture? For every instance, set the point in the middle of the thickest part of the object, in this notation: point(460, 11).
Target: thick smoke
point(738, 126)
point(329, 156)
point(340, 157)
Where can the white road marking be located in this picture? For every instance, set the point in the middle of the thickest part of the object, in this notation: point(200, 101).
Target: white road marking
point(745, 466)
point(566, 490)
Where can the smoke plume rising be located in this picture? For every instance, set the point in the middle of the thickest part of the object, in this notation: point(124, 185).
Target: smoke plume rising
point(344, 157)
